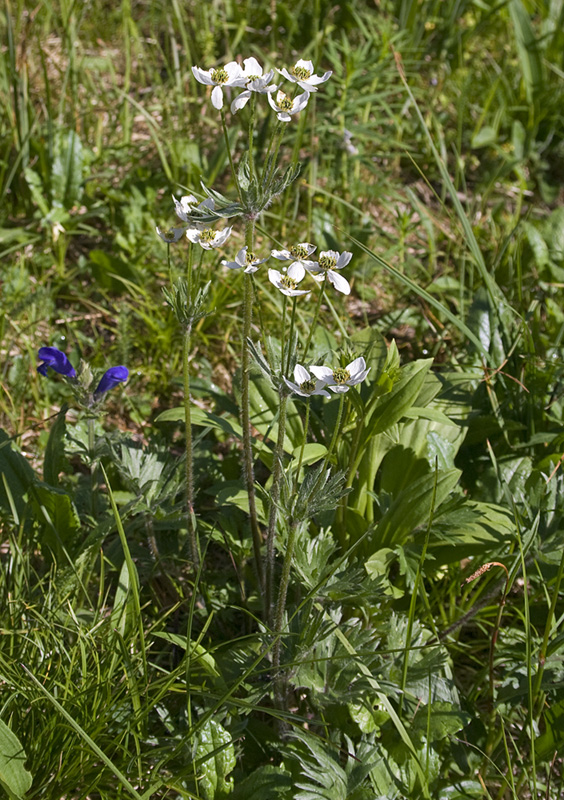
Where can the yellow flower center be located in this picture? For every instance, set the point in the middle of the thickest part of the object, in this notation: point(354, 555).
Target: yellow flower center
point(250, 257)
point(301, 73)
point(298, 251)
point(341, 375)
point(308, 386)
point(285, 103)
point(327, 262)
point(287, 282)
point(219, 75)
point(253, 78)
point(207, 236)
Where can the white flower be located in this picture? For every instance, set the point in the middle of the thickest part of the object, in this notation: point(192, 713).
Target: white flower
point(329, 261)
point(229, 75)
point(285, 106)
point(347, 143)
point(339, 380)
point(305, 385)
point(255, 82)
point(285, 283)
point(186, 205)
point(245, 260)
point(298, 254)
point(207, 238)
point(302, 74)
point(171, 235)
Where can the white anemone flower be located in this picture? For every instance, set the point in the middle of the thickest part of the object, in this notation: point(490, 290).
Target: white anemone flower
point(302, 74)
point(171, 235)
point(305, 385)
point(229, 75)
point(245, 260)
point(256, 81)
point(285, 106)
point(207, 238)
point(285, 283)
point(329, 261)
point(298, 254)
point(186, 205)
point(339, 380)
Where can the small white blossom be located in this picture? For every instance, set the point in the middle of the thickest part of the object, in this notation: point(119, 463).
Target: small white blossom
point(298, 254)
point(285, 106)
point(302, 74)
point(186, 205)
point(207, 238)
point(339, 380)
point(255, 82)
point(351, 149)
point(245, 260)
point(304, 384)
point(286, 283)
point(171, 235)
point(329, 261)
point(229, 75)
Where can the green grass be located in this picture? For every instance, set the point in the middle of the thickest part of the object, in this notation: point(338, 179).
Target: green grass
point(125, 671)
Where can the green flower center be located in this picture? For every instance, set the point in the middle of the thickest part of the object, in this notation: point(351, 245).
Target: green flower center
point(287, 282)
point(298, 251)
point(250, 257)
point(301, 73)
point(285, 103)
point(308, 386)
point(327, 262)
point(219, 75)
point(207, 236)
point(253, 78)
point(341, 375)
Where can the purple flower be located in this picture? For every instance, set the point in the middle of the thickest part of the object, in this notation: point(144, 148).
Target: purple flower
point(111, 378)
point(57, 360)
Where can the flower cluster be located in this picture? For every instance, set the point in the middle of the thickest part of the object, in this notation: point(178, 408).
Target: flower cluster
point(325, 267)
point(322, 378)
point(251, 78)
point(56, 360)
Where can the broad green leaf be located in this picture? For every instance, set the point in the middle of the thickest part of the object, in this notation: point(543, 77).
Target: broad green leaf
point(268, 782)
point(66, 169)
point(199, 656)
point(530, 57)
point(412, 507)
point(312, 452)
point(55, 459)
point(17, 476)
point(215, 755)
point(392, 406)
point(203, 418)
point(14, 777)
point(58, 516)
point(445, 720)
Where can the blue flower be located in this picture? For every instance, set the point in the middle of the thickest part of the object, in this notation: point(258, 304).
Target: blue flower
point(111, 378)
point(57, 360)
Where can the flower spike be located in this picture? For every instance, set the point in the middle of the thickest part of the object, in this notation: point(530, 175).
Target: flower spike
point(111, 378)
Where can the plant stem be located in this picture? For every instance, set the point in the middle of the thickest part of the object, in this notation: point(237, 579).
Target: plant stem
point(336, 430)
point(249, 472)
point(279, 616)
point(227, 145)
point(190, 516)
point(315, 318)
point(274, 497)
point(304, 441)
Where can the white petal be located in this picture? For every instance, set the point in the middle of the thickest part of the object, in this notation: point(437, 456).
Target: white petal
point(235, 74)
point(319, 389)
point(356, 366)
point(284, 72)
point(202, 75)
point(307, 86)
point(281, 255)
point(301, 374)
point(292, 386)
point(341, 284)
point(193, 234)
point(274, 276)
point(209, 202)
point(304, 65)
point(252, 67)
point(222, 237)
point(300, 102)
point(296, 271)
point(241, 257)
point(323, 373)
point(343, 259)
point(308, 246)
point(339, 389)
point(317, 79)
point(230, 264)
point(170, 236)
point(240, 101)
point(217, 97)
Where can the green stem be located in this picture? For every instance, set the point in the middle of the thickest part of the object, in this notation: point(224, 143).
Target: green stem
point(315, 318)
point(274, 497)
point(190, 516)
point(302, 448)
point(336, 430)
point(249, 472)
point(251, 133)
point(279, 615)
point(93, 464)
point(538, 696)
point(227, 145)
